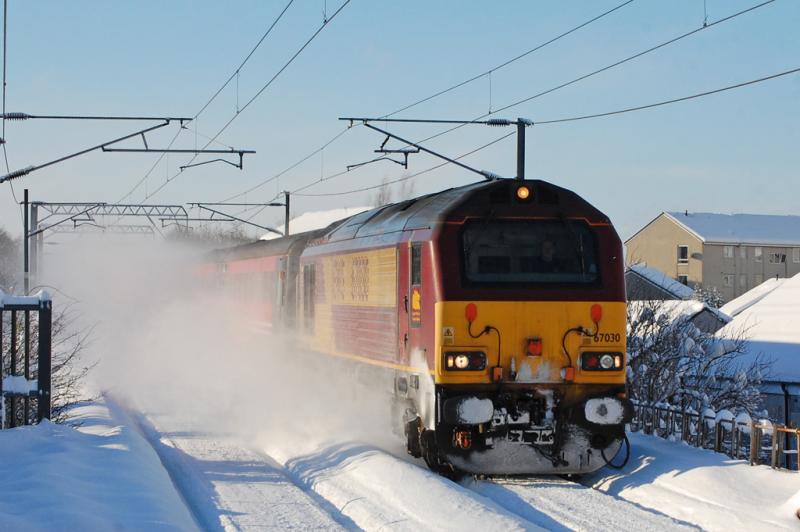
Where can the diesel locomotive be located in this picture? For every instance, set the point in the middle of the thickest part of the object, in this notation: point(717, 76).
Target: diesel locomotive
point(494, 313)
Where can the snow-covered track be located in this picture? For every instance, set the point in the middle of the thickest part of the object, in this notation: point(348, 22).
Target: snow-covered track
point(558, 504)
point(379, 491)
point(230, 487)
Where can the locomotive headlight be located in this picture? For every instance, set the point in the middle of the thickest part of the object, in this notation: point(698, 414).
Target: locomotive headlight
point(594, 361)
point(465, 361)
point(523, 192)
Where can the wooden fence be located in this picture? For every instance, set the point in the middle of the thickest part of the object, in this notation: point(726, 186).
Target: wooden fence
point(740, 437)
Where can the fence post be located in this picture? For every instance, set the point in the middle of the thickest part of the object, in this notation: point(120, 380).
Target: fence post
point(717, 437)
point(684, 427)
point(797, 448)
point(45, 327)
point(755, 433)
point(775, 440)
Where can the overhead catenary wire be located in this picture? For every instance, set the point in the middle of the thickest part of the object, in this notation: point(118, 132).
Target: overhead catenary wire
point(508, 62)
point(668, 102)
point(296, 192)
point(605, 68)
point(212, 98)
point(258, 93)
point(568, 119)
point(440, 93)
point(5, 152)
point(578, 79)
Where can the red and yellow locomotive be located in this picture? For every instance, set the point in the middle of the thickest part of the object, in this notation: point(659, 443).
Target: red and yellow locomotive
point(494, 312)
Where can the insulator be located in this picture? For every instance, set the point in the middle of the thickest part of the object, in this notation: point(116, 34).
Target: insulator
point(495, 122)
point(16, 116)
point(490, 175)
point(17, 173)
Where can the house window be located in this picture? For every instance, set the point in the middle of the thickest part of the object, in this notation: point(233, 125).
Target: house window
point(727, 279)
point(683, 279)
point(757, 254)
point(795, 254)
point(742, 281)
point(727, 252)
point(758, 279)
point(683, 254)
point(743, 252)
point(777, 258)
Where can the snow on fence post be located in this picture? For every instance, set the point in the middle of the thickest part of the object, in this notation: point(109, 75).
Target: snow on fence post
point(15, 386)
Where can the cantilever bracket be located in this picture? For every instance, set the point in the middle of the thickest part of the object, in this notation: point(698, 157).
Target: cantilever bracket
point(240, 165)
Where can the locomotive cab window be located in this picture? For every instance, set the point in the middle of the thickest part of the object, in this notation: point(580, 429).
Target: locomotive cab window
point(529, 252)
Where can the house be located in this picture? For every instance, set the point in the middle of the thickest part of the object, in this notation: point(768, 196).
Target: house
point(643, 283)
point(769, 322)
point(729, 252)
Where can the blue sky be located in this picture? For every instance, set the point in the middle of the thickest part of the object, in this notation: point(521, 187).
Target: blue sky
point(733, 152)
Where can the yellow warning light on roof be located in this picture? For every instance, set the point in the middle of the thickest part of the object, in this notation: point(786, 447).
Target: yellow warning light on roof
point(523, 192)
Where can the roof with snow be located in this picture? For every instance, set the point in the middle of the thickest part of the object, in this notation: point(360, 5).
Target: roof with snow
point(751, 297)
point(771, 324)
point(705, 317)
point(659, 280)
point(740, 228)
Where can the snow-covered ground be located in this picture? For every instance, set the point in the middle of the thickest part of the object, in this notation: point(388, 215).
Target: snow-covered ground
point(161, 471)
point(703, 487)
point(101, 476)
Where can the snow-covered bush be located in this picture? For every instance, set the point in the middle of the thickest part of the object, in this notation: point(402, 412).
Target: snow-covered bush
point(709, 295)
point(10, 262)
point(671, 361)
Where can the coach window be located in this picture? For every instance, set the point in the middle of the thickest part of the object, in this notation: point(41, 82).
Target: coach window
point(415, 290)
point(416, 264)
point(309, 279)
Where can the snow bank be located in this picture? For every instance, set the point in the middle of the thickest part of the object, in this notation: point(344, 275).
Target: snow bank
point(703, 487)
point(101, 476)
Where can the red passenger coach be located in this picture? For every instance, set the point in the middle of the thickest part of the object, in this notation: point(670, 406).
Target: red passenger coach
point(493, 312)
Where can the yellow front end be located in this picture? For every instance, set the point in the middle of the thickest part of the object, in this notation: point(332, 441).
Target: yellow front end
point(519, 322)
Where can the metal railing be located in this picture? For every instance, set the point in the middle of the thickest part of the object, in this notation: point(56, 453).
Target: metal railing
point(739, 437)
point(25, 359)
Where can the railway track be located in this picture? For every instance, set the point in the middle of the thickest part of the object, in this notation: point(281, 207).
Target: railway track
point(558, 504)
point(352, 486)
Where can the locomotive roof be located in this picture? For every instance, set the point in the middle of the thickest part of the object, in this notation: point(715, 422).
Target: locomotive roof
point(425, 212)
